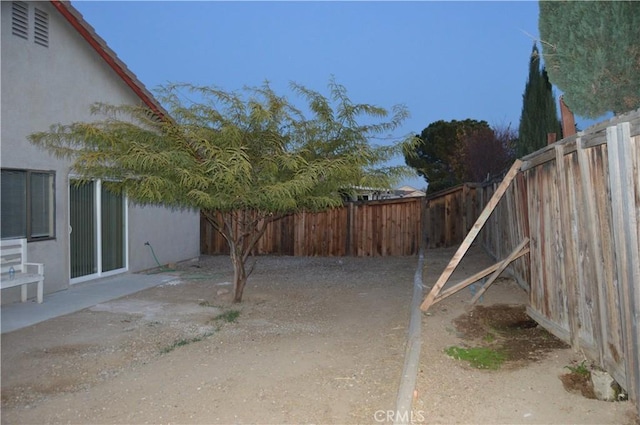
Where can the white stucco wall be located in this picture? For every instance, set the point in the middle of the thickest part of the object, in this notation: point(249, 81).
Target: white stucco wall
point(173, 235)
point(42, 86)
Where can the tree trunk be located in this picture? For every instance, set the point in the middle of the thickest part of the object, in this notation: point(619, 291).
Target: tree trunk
point(239, 276)
point(241, 230)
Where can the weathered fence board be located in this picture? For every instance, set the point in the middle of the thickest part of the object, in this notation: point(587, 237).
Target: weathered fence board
point(625, 201)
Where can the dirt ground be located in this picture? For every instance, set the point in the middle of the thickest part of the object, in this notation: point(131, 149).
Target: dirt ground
point(316, 340)
point(527, 389)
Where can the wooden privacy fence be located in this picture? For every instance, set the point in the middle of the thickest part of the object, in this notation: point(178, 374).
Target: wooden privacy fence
point(388, 227)
point(578, 201)
point(368, 228)
point(450, 214)
point(583, 208)
point(436, 294)
point(574, 208)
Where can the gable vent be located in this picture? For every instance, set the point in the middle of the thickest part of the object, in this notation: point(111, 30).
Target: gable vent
point(20, 19)
point(41, 28)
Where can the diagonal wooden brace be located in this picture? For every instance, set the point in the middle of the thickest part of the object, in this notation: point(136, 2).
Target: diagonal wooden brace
point(476, 277)
point(473, 233)
point(520, 250)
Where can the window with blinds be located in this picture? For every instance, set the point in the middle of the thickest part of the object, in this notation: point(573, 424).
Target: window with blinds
point(27, 204)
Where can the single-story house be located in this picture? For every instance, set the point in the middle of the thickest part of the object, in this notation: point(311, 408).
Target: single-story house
point(377, 194)
point(54, 67)
point(409, 192)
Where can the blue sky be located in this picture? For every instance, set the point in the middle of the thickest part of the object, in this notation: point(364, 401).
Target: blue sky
point(442, 60)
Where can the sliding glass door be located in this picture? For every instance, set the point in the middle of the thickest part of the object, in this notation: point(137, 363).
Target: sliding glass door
point(98, 231)
point(112, 231)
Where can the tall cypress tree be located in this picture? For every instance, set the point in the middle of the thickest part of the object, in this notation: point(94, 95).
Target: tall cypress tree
point(592, 52)
point(539, 113)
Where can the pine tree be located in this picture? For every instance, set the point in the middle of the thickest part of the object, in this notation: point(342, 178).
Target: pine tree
point(438, 155)
point(539, 115)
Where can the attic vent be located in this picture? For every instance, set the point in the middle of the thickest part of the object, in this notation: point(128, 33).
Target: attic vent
point(41, 28)
point(20, 19)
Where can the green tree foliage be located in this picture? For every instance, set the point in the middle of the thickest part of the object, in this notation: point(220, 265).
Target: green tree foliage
point(244, 159)
point(592, 53)
point(539, 115)
point(436, 155)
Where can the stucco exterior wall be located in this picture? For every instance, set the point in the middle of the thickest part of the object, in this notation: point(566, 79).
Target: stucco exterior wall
point(178, 240)
point(41, 86)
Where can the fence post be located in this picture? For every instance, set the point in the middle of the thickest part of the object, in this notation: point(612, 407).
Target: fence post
point(621, 153)
point(595, 250)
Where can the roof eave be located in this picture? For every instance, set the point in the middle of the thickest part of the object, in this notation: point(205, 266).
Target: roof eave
point(74, 17)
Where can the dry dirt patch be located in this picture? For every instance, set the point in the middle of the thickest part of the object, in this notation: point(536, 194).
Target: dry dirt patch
point(316, 340)
point(509, 330)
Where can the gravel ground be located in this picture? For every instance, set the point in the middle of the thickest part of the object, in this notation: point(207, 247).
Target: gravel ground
point(316, 340)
